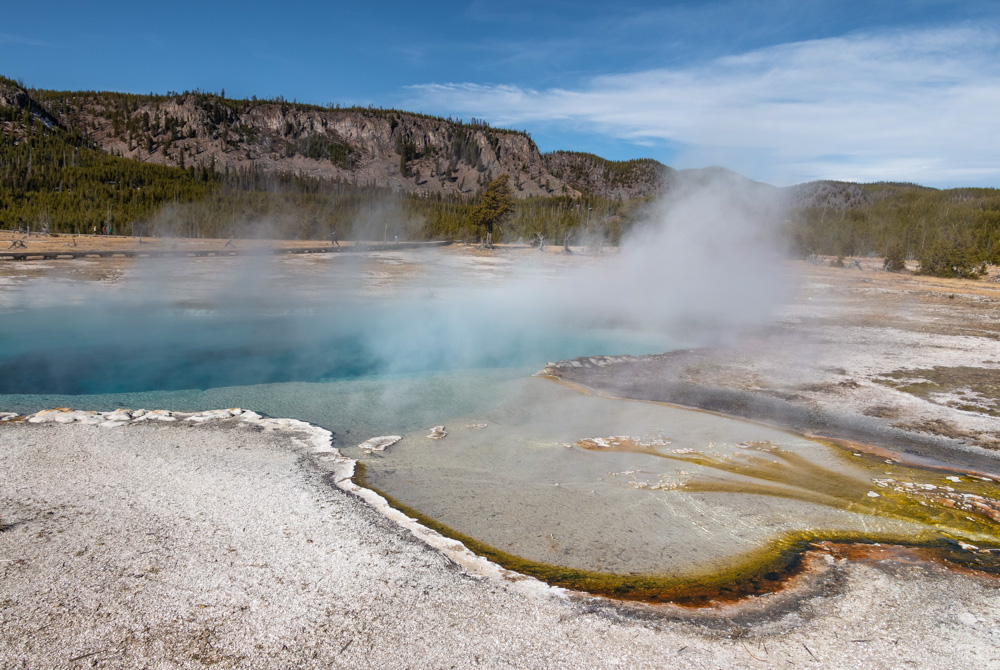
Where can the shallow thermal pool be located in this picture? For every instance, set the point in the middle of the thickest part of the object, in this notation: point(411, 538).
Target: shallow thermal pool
point(598, 484)
point(399, 343)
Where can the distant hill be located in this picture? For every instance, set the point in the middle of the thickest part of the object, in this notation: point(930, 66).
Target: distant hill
point(330, 163)
point(203, 164)
point(372, 147)
point(15, 102)
point(622, 180)
point(951, 230)
point(53, 179)
point(403, 151)
point(845, 195)
point(388, 148)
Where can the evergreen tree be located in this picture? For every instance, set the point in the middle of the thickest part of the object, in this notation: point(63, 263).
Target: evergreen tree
point(494, 207)
point(895, 260)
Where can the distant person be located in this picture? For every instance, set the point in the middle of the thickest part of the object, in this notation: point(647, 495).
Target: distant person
point(333, 237)
point(395, 234)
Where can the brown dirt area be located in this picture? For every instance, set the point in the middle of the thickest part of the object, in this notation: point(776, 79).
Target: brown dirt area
point(87, 243)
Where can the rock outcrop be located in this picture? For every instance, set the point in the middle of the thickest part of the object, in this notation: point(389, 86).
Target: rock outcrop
point(372, 147)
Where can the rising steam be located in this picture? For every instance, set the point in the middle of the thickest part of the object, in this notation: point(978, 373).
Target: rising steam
point(705, 261)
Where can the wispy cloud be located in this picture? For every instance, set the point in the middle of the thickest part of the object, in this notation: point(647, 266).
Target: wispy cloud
point(7, 38)
point(917, 105)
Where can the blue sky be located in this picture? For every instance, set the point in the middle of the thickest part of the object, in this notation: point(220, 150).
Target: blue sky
point(780, 91)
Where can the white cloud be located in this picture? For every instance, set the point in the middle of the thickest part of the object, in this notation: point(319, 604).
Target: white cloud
point(7, 38)
point(916, 106)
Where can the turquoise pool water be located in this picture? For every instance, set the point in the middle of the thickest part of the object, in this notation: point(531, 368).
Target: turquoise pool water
point(383, 343)
point(394, 344)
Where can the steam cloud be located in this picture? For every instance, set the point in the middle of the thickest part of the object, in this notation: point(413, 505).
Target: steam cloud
point(706, 262)
point(711, 255)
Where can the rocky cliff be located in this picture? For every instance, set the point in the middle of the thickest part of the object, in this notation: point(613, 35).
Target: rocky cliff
point(389, 148)
point(404, 151)
point(15, 103)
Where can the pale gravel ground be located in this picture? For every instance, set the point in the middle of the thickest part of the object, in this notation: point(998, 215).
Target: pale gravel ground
point(833, 347)
point(220, 544)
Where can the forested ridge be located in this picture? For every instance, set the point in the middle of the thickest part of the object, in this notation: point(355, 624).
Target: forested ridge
point(171, 177)
point(53, 179)
point(201, 164)
point(407, 152)
point(951, 232)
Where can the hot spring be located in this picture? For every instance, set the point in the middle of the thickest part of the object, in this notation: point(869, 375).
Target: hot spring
point(612, 496)
point(356, 344)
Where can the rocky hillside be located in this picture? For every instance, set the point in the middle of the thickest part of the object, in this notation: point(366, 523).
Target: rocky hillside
point(370, 147)
point(406, 152)
point(15, 103)
point(77, 161)
point(838, 195)
point(615, 180)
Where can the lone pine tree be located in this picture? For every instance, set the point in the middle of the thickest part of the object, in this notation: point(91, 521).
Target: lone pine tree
point(494, 206)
